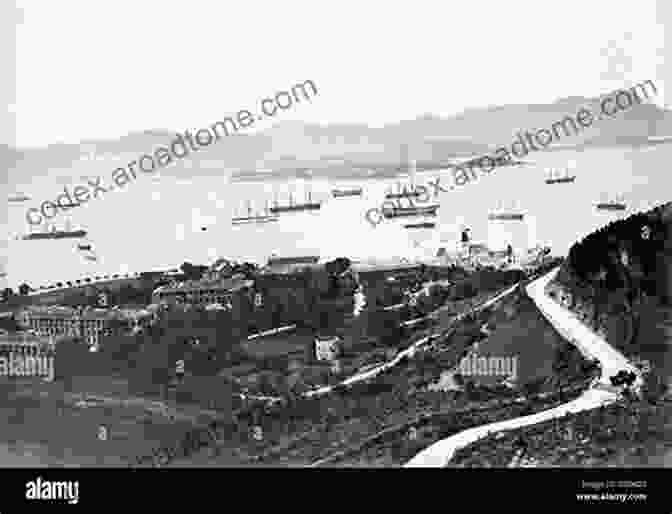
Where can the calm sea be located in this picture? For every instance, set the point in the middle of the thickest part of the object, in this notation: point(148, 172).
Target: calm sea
point(153, 224)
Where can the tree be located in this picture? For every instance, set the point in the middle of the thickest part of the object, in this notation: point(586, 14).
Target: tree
point(7, 293)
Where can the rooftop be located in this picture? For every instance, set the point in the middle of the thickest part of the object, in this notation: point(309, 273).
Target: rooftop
point(22, 338)
point(307, 259)
point(60, 311)
point(229, 284)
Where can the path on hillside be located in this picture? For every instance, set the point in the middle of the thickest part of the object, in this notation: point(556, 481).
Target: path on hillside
point(600, 393)
point(408, 352)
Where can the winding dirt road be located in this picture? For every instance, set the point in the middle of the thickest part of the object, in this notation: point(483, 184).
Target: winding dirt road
point(600, 393)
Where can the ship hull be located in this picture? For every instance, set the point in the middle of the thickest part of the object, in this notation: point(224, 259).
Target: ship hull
point(343, 194)
point(560, 180)
point(506, 217)
point(57, 235)
point(407, 212)
point(296, 208)
point(247, 221)
point(603, 207)
point(398, 196)
point(420, 225)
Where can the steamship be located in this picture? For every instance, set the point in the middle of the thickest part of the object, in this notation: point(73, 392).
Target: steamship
point(502, 214)
point(308, 205)
point(341, 193)
point(566, 179)
point(402, 193)
point(254, 218)
point(55, 233)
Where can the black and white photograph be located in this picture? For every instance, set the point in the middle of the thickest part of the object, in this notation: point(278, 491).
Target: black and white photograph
point(336, 235)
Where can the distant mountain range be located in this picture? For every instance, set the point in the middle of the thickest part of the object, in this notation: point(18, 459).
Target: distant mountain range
point(296, 149)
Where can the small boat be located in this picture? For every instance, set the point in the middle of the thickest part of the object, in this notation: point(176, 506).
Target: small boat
point(340, 193)
point(308, 205)
point(566, 179)
point(84, 247)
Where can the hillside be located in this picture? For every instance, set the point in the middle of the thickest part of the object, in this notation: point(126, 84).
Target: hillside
point(294, 148)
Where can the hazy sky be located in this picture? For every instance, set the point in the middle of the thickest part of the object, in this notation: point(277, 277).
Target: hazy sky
point(86, 69)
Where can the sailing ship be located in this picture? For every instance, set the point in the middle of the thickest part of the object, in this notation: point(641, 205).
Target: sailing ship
point(402, 193)
point(18, 197)
point(254, 218)
point(308, 205)
point(502, 214)
point(53, 233)
point(557, 179)
point(611, 205)
point(413, 210)
point(341, 193)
